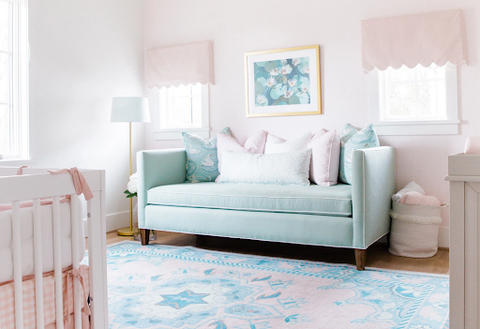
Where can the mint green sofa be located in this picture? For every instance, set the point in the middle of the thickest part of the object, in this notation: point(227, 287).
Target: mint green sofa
point(345, 216)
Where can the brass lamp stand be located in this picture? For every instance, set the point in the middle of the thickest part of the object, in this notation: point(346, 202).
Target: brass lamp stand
point(130, 109)
point(128, 231)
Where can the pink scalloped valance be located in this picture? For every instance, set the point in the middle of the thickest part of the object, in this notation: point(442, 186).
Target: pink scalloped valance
point(424, 39)
point(179, 65)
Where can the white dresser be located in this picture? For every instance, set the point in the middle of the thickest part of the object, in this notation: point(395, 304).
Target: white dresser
point(464, 178)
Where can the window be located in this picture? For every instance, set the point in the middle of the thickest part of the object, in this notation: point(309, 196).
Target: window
point(183, 108)
point(13, 80)
point(418, 101)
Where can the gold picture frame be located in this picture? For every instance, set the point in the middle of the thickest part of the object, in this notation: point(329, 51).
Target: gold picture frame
point(283, 82)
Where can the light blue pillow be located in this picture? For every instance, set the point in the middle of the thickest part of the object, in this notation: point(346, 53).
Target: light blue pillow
point(290, 168)
point(351, 140)
point(202, 161)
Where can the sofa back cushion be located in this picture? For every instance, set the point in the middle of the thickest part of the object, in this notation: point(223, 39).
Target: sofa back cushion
point(290, 168)
point(202, 162)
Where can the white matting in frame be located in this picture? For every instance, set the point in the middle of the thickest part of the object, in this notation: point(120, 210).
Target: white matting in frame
point(283, 82)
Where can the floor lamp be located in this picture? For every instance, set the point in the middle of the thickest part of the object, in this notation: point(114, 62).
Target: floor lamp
point(129, 109)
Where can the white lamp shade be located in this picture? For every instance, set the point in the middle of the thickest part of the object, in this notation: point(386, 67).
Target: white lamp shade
point(130, 109)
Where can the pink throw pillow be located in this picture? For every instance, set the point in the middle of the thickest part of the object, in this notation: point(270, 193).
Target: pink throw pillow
point(325, 158)
point(255, 144)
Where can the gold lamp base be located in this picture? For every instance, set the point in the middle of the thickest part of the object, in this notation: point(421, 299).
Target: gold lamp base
point(128, 231)
point(125, 231)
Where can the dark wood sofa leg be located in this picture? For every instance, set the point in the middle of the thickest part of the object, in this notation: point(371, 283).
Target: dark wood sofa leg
point(145, 236)
point(360, 258)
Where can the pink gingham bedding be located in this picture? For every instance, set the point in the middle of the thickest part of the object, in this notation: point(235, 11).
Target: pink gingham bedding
point(7, 300)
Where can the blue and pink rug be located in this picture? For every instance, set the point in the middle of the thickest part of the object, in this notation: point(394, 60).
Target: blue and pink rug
point(161, 286)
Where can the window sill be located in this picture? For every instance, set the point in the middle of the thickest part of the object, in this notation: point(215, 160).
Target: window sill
point(415, 128)
point(176, 134)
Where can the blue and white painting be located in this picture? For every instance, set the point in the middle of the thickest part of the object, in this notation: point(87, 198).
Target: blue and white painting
point(282, 82)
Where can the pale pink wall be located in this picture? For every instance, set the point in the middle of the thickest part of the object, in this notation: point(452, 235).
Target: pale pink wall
point(83, 53)
point(237, 27)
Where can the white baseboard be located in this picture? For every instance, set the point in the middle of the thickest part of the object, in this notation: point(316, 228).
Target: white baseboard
point(118, 220)
point(114, 221)
point(444, 237)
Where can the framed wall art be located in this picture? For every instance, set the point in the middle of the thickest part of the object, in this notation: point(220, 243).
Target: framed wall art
point(283, 82)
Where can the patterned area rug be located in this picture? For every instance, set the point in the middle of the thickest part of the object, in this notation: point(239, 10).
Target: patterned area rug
point(184, 287)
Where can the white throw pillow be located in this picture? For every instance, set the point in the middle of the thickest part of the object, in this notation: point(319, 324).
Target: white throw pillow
point(290, 168)
point(278, 145)
point(254, 144)
point(325, 147)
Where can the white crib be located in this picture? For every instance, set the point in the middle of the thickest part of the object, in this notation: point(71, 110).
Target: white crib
point(36, 184)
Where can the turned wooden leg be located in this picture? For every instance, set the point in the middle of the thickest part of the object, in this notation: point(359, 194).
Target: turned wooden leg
point(145, 236)
point(360, 258)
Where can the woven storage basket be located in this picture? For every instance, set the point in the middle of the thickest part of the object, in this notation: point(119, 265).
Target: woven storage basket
point(414, 231)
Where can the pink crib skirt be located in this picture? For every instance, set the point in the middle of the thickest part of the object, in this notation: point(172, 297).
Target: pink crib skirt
point(7, 300)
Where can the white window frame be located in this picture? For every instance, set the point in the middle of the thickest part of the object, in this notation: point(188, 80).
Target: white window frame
point(161, 134)
point(449, 126)
point(19, 82)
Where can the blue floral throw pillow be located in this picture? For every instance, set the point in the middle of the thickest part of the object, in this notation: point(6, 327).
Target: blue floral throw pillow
point(202, 162)
point(350, 140)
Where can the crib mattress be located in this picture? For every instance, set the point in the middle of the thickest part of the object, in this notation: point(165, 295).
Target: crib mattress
point(28, 257)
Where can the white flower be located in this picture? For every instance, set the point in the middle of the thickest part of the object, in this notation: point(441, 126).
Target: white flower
point(304, 89)
point(306, 69)
point(288, 93)
point(274, 72)
point(132, 186)
point(134, 176)
point(292, 82)
point(261, 99)
point(271, 82)
point(287, 69)
point(296, 61)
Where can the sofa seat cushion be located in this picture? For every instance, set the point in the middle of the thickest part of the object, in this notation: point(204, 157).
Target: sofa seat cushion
point(318, 200)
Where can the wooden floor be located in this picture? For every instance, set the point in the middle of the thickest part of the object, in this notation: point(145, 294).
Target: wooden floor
point(377, 255)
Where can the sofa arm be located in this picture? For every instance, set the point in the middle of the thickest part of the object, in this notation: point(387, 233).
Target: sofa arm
point(373, 184)
point(155, 168)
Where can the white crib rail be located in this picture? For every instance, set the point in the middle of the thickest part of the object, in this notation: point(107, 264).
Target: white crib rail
point(97, 241)
point(37, 240)
point(75, 260)
point(14, 189)
point(57, 261)
point(17, 264)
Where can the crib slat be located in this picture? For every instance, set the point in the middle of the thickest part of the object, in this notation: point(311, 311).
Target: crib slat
point(77, 297)
point(37, 238)
point(98, 260)
point(17, 264)
point(57, 247)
